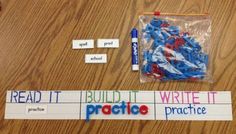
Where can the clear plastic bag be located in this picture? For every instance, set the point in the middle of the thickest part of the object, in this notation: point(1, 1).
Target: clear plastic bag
point(175, 47)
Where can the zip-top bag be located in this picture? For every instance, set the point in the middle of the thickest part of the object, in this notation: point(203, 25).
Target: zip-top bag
point(175, 47)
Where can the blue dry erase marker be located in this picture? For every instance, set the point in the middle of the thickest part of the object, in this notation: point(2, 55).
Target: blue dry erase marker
point(134, 36)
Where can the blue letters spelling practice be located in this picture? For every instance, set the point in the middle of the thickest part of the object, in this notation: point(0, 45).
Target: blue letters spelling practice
point(174, 55)
point(188, 110)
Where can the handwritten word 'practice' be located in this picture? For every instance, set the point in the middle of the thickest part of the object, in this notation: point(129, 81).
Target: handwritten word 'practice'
point(188, 110)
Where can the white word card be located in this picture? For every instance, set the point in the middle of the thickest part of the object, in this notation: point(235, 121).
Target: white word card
point(95, 58)
point(108, 43)
point(82, 44)
point(131, 105)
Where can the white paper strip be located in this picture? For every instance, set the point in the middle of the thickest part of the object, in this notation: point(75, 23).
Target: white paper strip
point(133, 105)
point(95, 58)
point(82, 44)
point(108, 43)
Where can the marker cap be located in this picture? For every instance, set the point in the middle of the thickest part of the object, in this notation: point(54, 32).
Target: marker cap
point(134, 33)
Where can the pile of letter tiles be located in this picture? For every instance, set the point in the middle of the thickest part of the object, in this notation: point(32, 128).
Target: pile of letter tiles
point(174, 55)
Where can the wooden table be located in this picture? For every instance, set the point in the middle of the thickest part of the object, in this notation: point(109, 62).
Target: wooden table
point(36, 53)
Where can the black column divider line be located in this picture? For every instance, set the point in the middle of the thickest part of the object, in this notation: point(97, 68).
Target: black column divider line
point(155, 105)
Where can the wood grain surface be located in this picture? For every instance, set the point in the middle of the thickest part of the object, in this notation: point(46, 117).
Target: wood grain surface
point(36, 53)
